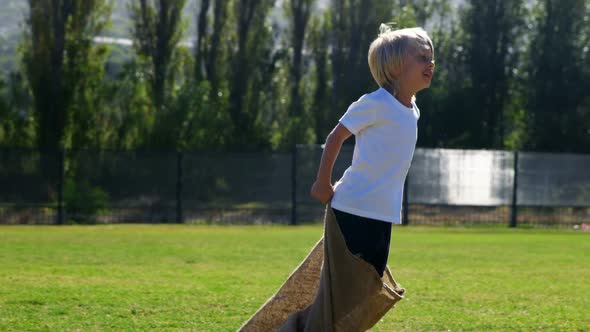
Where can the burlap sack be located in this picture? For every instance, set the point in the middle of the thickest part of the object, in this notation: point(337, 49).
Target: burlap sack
point(331, 290)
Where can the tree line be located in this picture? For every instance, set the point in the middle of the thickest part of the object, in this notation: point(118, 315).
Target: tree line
point(510, 74)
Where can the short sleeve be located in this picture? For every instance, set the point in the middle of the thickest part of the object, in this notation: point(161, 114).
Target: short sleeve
point(360, 115)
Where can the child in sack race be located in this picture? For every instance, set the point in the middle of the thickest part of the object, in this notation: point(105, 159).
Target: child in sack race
point(344, 283)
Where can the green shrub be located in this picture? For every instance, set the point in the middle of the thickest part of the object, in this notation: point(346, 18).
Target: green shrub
point(83, 201)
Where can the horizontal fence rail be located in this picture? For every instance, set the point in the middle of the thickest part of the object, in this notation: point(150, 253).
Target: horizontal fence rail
point(443, 187)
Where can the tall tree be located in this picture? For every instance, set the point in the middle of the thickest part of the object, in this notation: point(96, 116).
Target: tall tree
point(200, 41)
point(88, 125)
point(299, 13)
point(157, 29)
point(211, 55)
point(319, 43)
point(355, 24)
point(558, 98)
point(492, 29)
point(200, 109)
point(252, 62)
point(216, 56)
point(130, 107)
point(17, 125)
point(443, 122)
point(5, 123)
point(211, 58)
point(57, 41)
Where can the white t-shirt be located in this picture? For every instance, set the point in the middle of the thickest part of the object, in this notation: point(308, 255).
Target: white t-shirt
point(386, 132)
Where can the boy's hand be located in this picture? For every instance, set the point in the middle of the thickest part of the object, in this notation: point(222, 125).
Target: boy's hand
point(322, 191)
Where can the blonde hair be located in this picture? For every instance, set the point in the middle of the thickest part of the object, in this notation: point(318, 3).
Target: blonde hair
point(386, 53)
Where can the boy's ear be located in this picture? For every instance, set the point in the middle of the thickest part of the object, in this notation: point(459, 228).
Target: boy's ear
point(396, 72)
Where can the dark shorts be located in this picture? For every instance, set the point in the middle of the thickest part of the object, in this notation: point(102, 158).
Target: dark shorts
point(367, 238)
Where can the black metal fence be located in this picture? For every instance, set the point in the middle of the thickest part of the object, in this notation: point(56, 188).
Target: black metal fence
point(443, 187)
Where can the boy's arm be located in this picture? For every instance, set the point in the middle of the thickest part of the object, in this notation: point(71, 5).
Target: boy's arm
point(322, 188)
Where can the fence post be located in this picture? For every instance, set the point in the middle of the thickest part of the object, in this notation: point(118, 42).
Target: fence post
point(60, 186)
point(294, 185)
point(406, 214)
point(179, 158)
point(514, 211)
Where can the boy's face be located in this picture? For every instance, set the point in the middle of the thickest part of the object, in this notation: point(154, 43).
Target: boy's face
point(418, 68)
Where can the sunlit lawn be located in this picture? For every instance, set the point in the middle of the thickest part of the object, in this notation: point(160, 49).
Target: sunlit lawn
point(207, 278)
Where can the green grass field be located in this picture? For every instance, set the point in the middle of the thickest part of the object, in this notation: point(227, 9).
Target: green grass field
point(207, 278)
